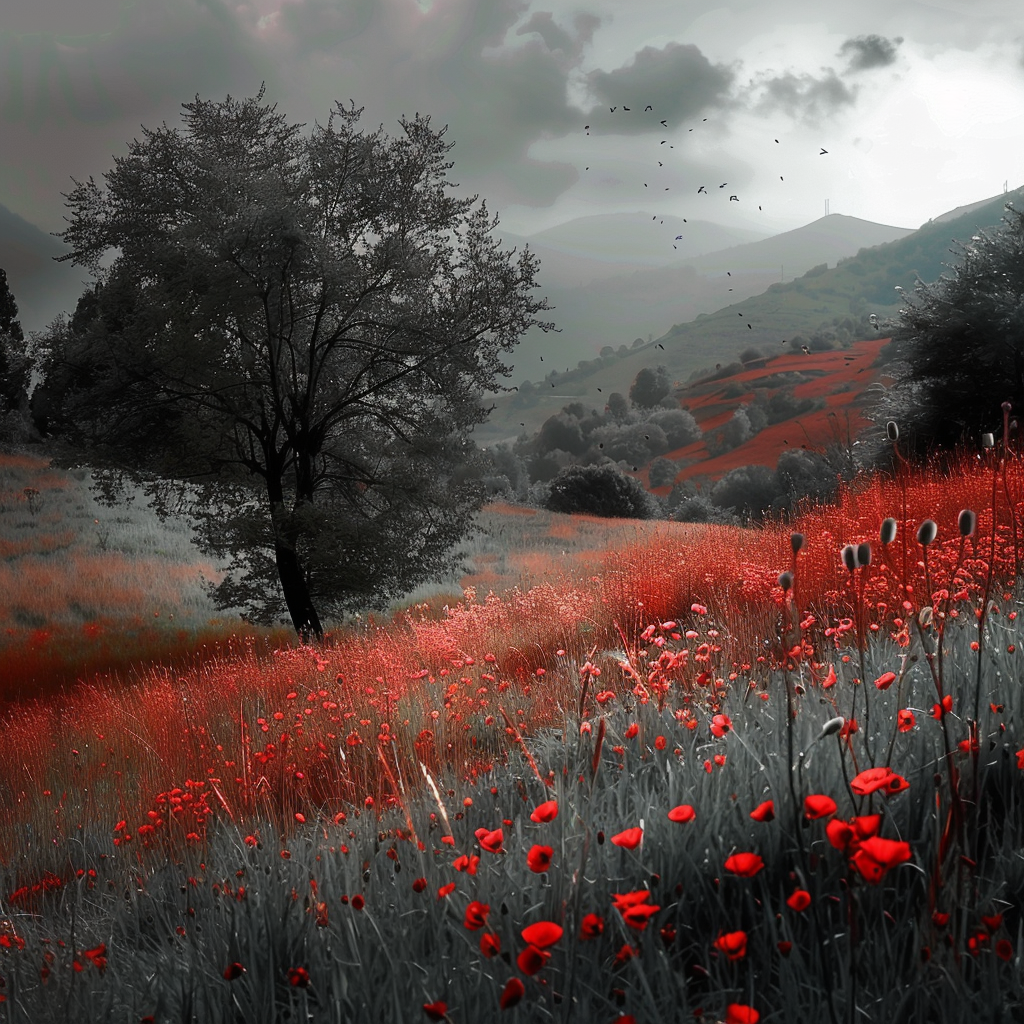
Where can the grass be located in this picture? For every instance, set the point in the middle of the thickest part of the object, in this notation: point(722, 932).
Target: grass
point(279, 813)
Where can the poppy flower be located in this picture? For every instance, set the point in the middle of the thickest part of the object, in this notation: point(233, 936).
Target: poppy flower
point(532, 959)
point(98, 956)
point(419, 884)
point(233, 971)
point(436, 1011)
point(873, 779)
point(637, 915)
point(490, 841)
point(866, 825)
point(720, 725)
point(511, 994)
point(785, 947)
point(476, 915)
point(668, 933)
point(465, 863)
point(799, 901)
point(542, 934)
point(764, 811)
point(830, 678)
point(990, 921)
point(298, 977)
point(623, 900)
point(877, 855)
point(682, 813)
point(905, 720)
point(539, 858)
point(732, 944)
point(817, 805)
point(630, 839)
point(626, 952)
point(591, 926)
point(445, 890)
point(632, 730)
point(738, 1013)
point(746, 865)
point(885, 680)
point(490, 944)
point(545, 812)
point(839, 834)
point(1004, 950)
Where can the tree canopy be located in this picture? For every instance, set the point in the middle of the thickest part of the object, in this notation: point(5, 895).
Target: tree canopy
point(291, 348)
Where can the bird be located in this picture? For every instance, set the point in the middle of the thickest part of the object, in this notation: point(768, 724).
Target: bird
point(823, 152)
point(724, 183)
point(648, 107)
point(678, 237)
point(749, 328)
point(781, 178)
point(665, 123)
point(613, 109)
point(734, 198)
point(662, 347)
point(701, 189)
point(729, 272)
point(542, 359)
point(598, 389)
point(645, 184)
point(776, 140)
point(759, 207)
point(805, 350)
point(660, 164)
point(663, 141)
point(625, 108)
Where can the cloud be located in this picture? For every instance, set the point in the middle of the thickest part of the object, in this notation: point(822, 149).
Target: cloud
point(678, 81)
point(870, 52)
point(804, 97)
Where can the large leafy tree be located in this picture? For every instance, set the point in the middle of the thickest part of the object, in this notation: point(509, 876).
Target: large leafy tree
point(959, 346)
point(15, 365)
point(291, 348)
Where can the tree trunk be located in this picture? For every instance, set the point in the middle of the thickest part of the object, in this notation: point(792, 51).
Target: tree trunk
point(289, 568)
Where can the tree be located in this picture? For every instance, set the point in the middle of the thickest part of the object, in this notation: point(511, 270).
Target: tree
point(601, 491)
point(15, 365)
point(960, 346)
point(292, 348)
point(749, 491)
point(618, 407)
point(649, 387)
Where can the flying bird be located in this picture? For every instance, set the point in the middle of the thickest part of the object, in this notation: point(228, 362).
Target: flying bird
point(660, 164)
point(724, 183)
point(776, 140)
point(648, 107)
point(613, 109)
point(734, 199)
point(662, 347)
point(729, 272)
point(625, 108)
point(823, 152)
point(701, 189)
point(665, 123)
point(678, 237)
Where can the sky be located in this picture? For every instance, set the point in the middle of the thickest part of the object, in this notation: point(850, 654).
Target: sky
point(919, 104)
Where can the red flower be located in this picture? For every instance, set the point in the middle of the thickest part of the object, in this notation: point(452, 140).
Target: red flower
point(817, 805)
point(476, 915)
point(98, 956)
point(785, 947)
point(682, 813)
point(876, 855)
point(445, 890)
point(625, 953)
point(490, 945)
point(591, 926)
point(542, 934)
point(490, 841)
point(885, 680)
point(720, 725)
point(905, 720)
point(732, 944)
point(436, 1011)
point(358, 902)
point(1020, 758)
point(623, 900)
point(990, 921)
point(632, 730)
point(799, 901)
point(637, 915)
point(764, 812)
point(630, 839)
point(512, 993)
point(298, 977)
point(746, 865)
point(419, 885)
point(233, 971)
point(539, 858)
point(668, 934)
point(872, 779)
point(737, 1013)
point(1004, 950)
point(546, 811)
point(839, 833)
point(532, 959)
point(465, 863)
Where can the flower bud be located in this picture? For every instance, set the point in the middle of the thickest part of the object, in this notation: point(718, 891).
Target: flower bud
point(892, 431)
point(967, 522)
point(888, 532)
point(926, 532)
point(833, 725)
point(988, 441)
point(796, 541)
point(785, 580)
point(924, 616)
point(1006, 407)
point(850, 557)
point(864, 554)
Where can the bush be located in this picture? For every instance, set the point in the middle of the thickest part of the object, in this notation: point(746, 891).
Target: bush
point(662, 472)
point(649, 387)
point(802, 474)
point(600, 491)
point(679, 425)
point(748, 491)
point(698, 508)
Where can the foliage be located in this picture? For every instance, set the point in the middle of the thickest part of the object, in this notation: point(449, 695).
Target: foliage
point(748, 491)
point(600, 491)
point(662, 472)
point(291, 347)
point(650, 386)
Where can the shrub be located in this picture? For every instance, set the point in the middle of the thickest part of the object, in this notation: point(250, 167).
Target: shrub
point(679, 425)
point(748, 491)
point(802, 474)
point(649, 387)
point(662, 472)
point(600, 491)
point(699, 508)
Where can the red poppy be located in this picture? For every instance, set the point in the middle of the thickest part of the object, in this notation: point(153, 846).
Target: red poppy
point(785, 947)
point(764, 812)
point(476, 915)
point(738, 1013)
point(464, 863)
point(591, 926)
point(626, 952)
point(632, 730)
point(1004, 950)
point(625, 1018)
point(799, 901)
point(876, 855)
point(512, 993)
point(720, 725)
point(630, 839)
point(490, 944)
point(872, 779)
point(233, 971)
point(419, 884)
point(490, 841)
point(682, 813)
point(637, 916)
point(885, 680)
point(839, 833)
point(298, 977)
point(532, 959)
point(98, 956)
point(830, 678)
point(732, 944)
point(668, 934)
point(623, 900)
point(544, 812)
point(866, 825)
point(436, 1011)
point(746, 865)
point(445, 890)
point(539, 858)
point(542, 934)
point(1020, 758)
point(905, 720)
point(817, 805)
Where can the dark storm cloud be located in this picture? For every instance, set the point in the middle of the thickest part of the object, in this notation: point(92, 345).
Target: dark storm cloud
point(803, 97)
point(678, 81)
point(870, 52)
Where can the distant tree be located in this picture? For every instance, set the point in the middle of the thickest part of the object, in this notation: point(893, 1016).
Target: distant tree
point(802, 475)
point(607, 352)
point(15, 363)
point(679, 425)
point(561, 431)
point(747, 491)
point(699, 508)
point(618, 407)
point(736, 431)
point(292, 347)
point(649, 387)
point(630, 442)
point(662, 472)
point(751, 355)
point(601, 491)
point(960, 343)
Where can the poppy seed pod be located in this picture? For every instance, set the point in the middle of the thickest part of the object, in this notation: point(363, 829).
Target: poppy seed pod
point(796, 541)
point(1006, 407)
point(967, 522)
point(833, 725)
point(892, 431)
point(926, 532)
point(850, 557)
point(924, 616)
point(785, 580)
point(864, 554)
point(988, 440)
point(888, 532)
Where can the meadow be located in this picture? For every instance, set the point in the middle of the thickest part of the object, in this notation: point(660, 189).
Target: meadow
point(627, 773)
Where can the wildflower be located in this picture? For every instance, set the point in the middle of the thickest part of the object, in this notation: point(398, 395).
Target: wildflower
point(629, 839)
point(490, 944)
point(682, 813)
point(738, 1013)
point(877, 855)
point(446, 890)
point(764, 811)
point(358, 902)
point(1004, 950)
point(539, 858)
point(832, 726)
point(637, 915)
point(817, 805)
point(785, 947)
point(905, 720)
point(926, 532)
point(591, 926)
point(419, 885)
point(885, 680)
point(476, 915)
point(545, 812)
point(746, 865)
point(532, 959)
point(668, 934)
point(720, 725)
point(872, 779)
point(799, 901)
point(233, 971)
point(512, 993)
point(436, 1011)
point(732, 944)
point(626, 952)
point(542, 934)
point(298, 977)
point(632, 730)
point(490, 841)
point(464, 863)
